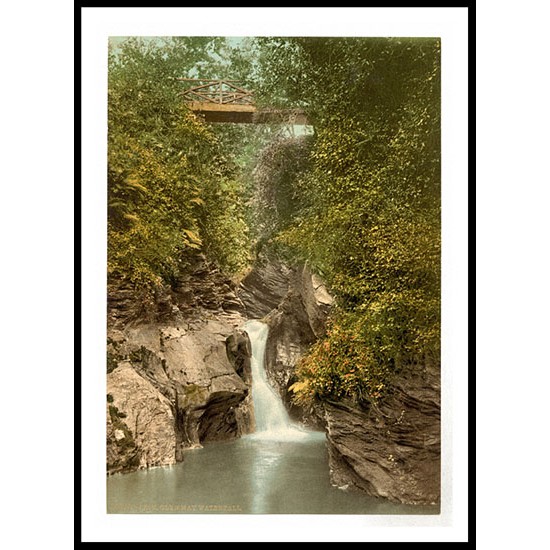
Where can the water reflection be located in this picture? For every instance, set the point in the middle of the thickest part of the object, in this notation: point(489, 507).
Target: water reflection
point(247, 476)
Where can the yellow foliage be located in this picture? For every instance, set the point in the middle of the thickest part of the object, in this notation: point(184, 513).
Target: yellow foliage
point(193, 236)
point(299, 386)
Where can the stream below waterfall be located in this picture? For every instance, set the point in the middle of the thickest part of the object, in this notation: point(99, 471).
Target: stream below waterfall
point(280, 469)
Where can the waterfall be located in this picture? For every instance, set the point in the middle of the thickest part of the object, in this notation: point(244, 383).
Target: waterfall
point(272, 420)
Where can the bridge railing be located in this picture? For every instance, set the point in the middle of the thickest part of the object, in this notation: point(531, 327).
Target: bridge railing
point(221, 92)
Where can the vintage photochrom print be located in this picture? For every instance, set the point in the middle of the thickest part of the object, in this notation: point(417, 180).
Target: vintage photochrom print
point(274, 275)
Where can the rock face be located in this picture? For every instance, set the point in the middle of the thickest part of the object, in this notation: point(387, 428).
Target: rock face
point(202, 289)
point(392, 451)
point(140, 422)
point(263, 289)
point(297, 323)
point(191, 370)
point(182, 344)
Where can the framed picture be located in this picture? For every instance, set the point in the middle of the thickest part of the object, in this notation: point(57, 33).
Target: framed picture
point(270, 239)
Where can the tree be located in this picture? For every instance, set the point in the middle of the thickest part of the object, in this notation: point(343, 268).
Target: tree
point(172, 184)
point(369, 218)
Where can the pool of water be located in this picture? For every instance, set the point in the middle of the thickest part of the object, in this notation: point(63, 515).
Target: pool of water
point(251, 475)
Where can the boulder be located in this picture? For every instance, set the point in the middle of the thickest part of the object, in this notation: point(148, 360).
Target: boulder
point(195, 368)
point(140, 423)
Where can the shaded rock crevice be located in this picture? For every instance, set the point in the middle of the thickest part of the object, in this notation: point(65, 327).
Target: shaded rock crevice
point(264, 288)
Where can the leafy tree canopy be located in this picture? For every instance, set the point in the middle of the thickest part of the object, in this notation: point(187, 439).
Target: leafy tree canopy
point(173, 181)
point(367, 211)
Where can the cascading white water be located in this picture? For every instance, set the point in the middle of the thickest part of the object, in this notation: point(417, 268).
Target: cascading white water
point(272, 420)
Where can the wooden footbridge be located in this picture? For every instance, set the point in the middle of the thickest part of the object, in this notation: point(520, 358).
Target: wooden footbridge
point(224, 101)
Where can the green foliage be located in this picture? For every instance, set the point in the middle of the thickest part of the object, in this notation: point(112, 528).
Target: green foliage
point(168, 172)
point(226, 229)
point(343, 365)
point(367, 212)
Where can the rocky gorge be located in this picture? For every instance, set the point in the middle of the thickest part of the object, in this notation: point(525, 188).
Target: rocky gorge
point(182, 378)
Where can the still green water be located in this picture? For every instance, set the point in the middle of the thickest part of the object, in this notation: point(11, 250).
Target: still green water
point(247, 476)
